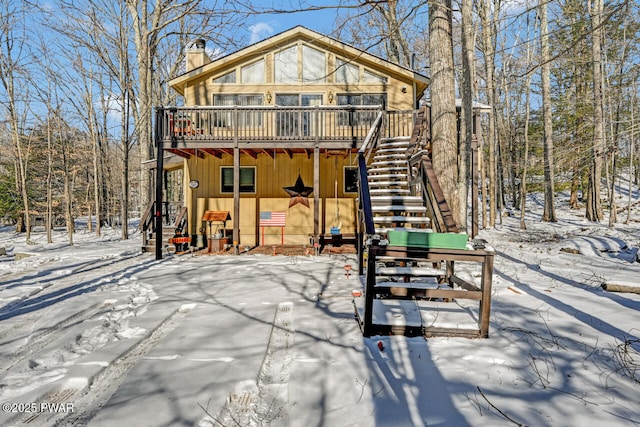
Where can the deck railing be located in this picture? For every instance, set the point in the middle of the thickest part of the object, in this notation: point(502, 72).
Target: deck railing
point(275, 123)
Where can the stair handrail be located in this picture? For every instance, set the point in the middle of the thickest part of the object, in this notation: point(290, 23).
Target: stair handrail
point(421, 171)
point(366, 215)
point(147, 217)
point(364, 153)
point(146, 222)
point(181, 221)
point(434, 196)
point(421, 135)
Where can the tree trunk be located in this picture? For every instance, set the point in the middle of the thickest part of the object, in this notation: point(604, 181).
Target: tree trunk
point(575, 182)
point(466, 129)
point(549, 214)
point(443, 108)
point(12, 20)
point(594, 206)
point(49, 224)
point(396, 45)
point(489, 64)
point(612, 287)
point(525, 157)
point(145, 39)
point(631, 150)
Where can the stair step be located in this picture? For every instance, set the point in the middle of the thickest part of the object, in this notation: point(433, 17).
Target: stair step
point(396, 151)
point(398, 208)
point(383, 231)
point(389, 163)
point(395, 147)
point(396, 200)
point(388, 175)
point(410, 271)
point(376, 170)
point(387, 159)
point(384, 184)
point(390, 156)
point(401, 218)
point(412, 290)
point(395, 142)
point(396, 191)
point(430, 282)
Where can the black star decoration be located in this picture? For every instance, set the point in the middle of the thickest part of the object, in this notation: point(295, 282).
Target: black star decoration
point(298, 193)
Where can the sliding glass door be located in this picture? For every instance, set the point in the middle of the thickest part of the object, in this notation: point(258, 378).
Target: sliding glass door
point(295, 122)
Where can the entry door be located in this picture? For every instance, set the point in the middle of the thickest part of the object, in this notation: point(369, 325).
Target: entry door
point(294, 122)
point(287, 122)
point(311, 120)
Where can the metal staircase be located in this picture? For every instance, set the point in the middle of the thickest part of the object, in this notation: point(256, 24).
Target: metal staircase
point(174, 234)
point(407, 288)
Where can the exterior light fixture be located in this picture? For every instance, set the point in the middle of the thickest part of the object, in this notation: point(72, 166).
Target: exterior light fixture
point(330, 97)
point(269, 97)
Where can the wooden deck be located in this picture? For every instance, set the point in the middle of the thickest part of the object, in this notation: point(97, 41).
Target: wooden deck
point(218, 130)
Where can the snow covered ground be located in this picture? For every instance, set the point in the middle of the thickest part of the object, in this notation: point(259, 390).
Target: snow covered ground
point(99, 334)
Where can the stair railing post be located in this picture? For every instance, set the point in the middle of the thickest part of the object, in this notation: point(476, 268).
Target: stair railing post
point(159, 176)
point(369, 292)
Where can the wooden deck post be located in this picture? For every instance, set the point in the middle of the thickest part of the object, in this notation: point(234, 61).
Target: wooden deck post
point(485, 302)
point(367, 328)
point(236, 200)
point(159, 175)
point(236, 186)
point(316, 194)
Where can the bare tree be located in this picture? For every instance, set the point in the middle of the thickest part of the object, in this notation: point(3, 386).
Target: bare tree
point(594, 206)
point(466, 128)
point(12, 58)
point(525, 135)
point(148, 22)
point(488, 45)
point(632, 138)
point(47, 95)
point(549, 214)
point(387, 28)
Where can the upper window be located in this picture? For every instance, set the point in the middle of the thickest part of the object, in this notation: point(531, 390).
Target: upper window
point(286, 65)
point(313, 65)
point(247, 179)
point(310, 69)
point(253, 73)
point(246, 118)
point(362, 99)
point(370, 77)
point(359, 117)
point(226, 78)
point(346, 73)
point(239, 100)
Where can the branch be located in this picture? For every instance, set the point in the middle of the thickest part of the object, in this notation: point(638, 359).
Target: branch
point(499, 411)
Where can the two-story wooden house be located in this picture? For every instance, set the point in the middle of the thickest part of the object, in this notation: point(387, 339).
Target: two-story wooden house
point(269, 134)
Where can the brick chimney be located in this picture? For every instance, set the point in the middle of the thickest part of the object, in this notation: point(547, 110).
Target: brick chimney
point(197, 55)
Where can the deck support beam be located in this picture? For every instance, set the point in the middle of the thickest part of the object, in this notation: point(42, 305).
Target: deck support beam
point(159, 176)
point(316, 194)
point(236, 188)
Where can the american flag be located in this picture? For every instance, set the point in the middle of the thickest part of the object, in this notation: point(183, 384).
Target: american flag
point(272, 219)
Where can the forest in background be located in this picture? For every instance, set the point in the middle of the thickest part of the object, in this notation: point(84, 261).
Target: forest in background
point(80, 81)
